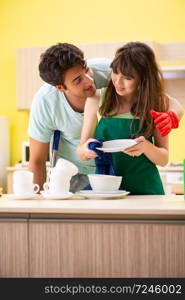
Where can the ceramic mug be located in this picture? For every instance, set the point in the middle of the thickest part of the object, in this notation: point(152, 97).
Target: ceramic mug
point(58, 186)
point(28, 188)
point(23, 183)
point(58, 178)
point(56, 175)
point(22, 176)
point(67, 167)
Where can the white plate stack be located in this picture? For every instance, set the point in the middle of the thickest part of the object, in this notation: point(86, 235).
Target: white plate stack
point(4, 151)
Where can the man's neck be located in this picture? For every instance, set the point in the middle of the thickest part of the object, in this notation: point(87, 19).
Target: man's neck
point(76, 103)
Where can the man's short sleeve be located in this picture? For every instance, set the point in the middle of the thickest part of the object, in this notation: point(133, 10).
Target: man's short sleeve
point(40, 123)
point(101, 69)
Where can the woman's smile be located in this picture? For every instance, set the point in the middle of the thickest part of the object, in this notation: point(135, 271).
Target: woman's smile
point(119, 89)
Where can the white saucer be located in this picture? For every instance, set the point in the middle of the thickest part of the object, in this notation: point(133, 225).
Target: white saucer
point(21, 196)
point(49, 196)
point(117, 145)
point(103, 195)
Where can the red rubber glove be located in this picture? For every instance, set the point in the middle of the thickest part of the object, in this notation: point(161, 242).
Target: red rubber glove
point(165, 121)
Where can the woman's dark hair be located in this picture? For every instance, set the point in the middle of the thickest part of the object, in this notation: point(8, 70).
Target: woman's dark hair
point(57, 59)
point(138, 57)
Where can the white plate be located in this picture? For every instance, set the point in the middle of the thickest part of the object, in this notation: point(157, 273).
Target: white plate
point(100, 192)
point(105, 195)
point(56, 196)
point(117, 145)
point(21, 196)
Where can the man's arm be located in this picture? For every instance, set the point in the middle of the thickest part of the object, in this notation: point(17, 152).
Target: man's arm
point(37, 162)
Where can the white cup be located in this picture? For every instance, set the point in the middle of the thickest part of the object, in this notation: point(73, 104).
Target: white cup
point(28, 188)
point(57, 186)
point(22, 176)
point(58, 178)
point(23, 183)
point(66, 167)
point(57, 175)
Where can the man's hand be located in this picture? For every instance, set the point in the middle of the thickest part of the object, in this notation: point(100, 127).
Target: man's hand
point(165, 121)
point(84, 152)
point(139, 148)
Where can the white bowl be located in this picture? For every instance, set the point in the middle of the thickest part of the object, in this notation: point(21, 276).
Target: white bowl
point(102, 183)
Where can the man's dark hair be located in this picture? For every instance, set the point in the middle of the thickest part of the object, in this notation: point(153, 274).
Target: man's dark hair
point(57, 59)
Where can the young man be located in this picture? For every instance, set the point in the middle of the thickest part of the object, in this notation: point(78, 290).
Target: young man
point(59, 105)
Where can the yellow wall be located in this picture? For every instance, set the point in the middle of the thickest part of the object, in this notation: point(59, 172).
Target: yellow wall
point(26, 23)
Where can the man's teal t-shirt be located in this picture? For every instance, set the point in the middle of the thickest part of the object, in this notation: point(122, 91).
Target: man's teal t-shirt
point(51, 111)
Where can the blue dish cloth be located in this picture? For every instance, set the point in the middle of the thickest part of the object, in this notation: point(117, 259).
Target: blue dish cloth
point(104, 162)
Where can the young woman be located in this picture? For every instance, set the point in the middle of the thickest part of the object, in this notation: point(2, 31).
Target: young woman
point(122, 111)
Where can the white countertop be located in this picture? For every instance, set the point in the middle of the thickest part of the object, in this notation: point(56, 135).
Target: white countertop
point(167, 168)
point(170, 169)
point(168, 205)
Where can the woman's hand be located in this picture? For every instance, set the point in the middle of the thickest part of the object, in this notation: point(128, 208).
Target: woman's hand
point(83, 151)
point(139, 148)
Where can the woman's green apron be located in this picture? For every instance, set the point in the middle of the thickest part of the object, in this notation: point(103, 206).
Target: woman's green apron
point(140, 175)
